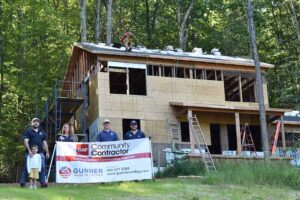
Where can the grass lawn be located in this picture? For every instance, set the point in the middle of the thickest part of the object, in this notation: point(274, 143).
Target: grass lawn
point(159, 189)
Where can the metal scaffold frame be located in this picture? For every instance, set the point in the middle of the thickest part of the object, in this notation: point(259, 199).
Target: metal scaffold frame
point(69, 99)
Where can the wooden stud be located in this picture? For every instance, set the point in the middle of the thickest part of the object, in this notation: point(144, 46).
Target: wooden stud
point(238, 133)
point(283, 134)
point(240, 88)
point(192, 142)
point(127, 81)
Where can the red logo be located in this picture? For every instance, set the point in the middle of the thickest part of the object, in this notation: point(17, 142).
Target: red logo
point(65, 172)
point(82, 149)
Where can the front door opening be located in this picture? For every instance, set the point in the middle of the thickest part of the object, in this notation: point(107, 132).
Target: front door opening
point(231, 137)
point(185, 132)
point(215, 147)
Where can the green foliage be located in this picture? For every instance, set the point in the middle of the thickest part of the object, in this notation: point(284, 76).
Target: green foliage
point(277, 173)
point(182, 168)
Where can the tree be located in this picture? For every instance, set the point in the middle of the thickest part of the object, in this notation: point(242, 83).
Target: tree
point(294, 18)
point(259, 89)
point(108, 22)
point(151, 20)
point(182, 22)
point(98, 21)
point(83, 20)
point(1, 68)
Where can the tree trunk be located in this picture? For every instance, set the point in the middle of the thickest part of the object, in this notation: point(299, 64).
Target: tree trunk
point(98, 21)
point(151, 21)
point(21, 51)
point(1, 74)
point(1, 66)
point(109, 22)
point(259, 86)
point(294, 18)
point(83, 21)
point(182, 24)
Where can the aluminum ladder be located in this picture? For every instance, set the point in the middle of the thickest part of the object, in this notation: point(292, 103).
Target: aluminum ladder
point(199, 138)
point(175, 135)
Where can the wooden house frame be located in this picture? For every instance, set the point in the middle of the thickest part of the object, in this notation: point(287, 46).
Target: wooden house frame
point(154, 86)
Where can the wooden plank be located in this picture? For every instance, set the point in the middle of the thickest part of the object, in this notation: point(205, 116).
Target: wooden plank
point(229, 109)
point(238, 133)
point(240, 88)
point(185, 63)
point(127, 81)
point(283, 134)
point(192, 142)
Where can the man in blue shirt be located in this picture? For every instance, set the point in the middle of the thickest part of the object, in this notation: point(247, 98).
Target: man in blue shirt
point(107, 134)
point(134, 133)
point(34, 136)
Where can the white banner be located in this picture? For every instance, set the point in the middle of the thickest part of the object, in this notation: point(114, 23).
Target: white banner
point(103, 161)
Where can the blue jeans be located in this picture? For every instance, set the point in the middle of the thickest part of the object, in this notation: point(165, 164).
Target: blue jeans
point(42, 174)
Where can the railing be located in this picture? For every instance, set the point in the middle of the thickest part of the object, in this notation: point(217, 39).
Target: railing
point(69, 89)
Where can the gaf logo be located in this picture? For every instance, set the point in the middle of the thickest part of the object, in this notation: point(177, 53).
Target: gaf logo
point(82, 149)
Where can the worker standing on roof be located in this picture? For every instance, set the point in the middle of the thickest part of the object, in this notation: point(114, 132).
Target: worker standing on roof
point(34, 136)
point(126, 40)
point(134, 132)
point(107, 134)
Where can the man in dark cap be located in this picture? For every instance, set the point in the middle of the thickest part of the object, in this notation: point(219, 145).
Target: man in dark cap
point(134, 132)
point(34, 136)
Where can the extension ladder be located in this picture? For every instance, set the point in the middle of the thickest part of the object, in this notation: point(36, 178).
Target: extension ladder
point(275, 138)
point(174, 134)
point(247, 140)
point(198, 137)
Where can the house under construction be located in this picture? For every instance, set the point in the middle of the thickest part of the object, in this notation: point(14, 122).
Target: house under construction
point(160, 88)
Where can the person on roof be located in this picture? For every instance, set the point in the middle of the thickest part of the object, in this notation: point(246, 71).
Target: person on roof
point(126, 40)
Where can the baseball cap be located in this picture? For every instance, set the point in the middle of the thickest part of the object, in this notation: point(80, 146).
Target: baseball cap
point(133, 122)
point(106, 121)
point(35, 119)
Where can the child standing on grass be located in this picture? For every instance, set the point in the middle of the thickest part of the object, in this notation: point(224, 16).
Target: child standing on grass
point(34, 165)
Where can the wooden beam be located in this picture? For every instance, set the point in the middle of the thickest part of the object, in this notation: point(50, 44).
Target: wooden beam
point(283, 134)
point(127, 81)
point(179, 63)
point(238, 134)
point(192, 141)
point(240, 89)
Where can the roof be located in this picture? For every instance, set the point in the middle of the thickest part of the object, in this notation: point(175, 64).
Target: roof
point(291, 118)
point(156, 53)
point(230, 109)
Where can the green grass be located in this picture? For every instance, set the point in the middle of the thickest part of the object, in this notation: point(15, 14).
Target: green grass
point(278, 174)
point(159, 189)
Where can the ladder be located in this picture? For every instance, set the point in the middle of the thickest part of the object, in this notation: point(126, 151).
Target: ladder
point(247, 140)
point(275, 138)
point(199, 138)
point(174, 134)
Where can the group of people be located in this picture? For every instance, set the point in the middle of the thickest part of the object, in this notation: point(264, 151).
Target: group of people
point(36, 147)
point(108, 135)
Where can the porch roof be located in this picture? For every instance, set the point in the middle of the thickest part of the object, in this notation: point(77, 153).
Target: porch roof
point(272, 112)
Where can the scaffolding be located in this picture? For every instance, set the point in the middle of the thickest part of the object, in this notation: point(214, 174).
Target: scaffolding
point(69, 99)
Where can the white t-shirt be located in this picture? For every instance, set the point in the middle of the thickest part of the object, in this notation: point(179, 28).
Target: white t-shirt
point(34, 162)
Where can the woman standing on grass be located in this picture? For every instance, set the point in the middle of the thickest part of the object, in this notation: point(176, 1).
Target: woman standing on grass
point(67, 134)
